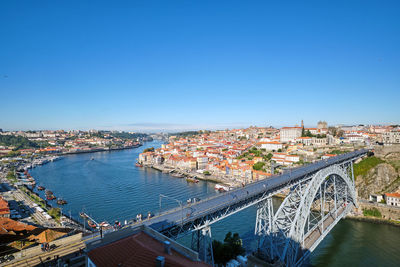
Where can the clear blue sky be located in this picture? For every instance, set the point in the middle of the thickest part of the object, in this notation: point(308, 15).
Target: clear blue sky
point(197, 64)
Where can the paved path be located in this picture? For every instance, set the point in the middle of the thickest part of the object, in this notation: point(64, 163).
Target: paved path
point(45, 256)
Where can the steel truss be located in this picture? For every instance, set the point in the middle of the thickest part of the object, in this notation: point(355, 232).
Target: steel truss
point(202, 242)
point(312, 208)
point(282, 235)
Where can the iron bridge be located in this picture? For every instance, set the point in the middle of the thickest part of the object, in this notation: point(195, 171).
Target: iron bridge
point(320, 194)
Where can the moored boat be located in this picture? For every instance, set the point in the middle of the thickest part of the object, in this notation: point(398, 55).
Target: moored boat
point(40, 188)
point(105, 225)
point(50, 197)
point(137, 164)
point(83, 215)
point(221, 188)
point(192, 180)
point(61, 202)
point(91, 224)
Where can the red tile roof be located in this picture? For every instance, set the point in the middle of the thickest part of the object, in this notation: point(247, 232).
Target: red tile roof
point(137, 250)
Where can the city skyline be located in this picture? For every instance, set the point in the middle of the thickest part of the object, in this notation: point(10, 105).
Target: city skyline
point(185, 66)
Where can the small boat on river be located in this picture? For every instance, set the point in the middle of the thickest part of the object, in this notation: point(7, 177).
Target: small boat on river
point(192, 180)
point(40, 188)
point(177, 175)
point(61, 202)
point(83, 215)
point(137, 164)
point(50, 197)
point(221, 188)
point(91, 224)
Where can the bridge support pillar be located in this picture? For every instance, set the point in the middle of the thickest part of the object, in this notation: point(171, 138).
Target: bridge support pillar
point(202, 243)
point(263, 228)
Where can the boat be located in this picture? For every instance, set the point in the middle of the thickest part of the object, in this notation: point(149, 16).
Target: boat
point(40, 188)
point(221, 188)
point(192, 180)
point(50, 197)
point(61, 202)
point(92, 159)
point(177, 175)
point(83, 215)
point(137, 164)
point(91, 224)
point(48, 192)
point(105, 225)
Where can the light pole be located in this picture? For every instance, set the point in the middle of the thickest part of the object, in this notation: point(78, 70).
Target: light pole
point(177, 200)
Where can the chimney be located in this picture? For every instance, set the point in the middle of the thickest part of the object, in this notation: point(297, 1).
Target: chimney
point(167, 247)
point(160, 261)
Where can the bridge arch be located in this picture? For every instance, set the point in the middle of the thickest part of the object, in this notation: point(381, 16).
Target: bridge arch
point(311, 191)
point(306, 215)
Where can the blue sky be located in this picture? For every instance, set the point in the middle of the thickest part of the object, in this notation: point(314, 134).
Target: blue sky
point(149, 65)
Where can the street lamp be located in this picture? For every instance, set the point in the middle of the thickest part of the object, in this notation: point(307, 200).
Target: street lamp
point(177, 200)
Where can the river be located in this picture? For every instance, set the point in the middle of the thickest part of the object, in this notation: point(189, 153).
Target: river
point(109, 187)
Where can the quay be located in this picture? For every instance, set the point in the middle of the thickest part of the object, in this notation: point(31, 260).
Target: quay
point(187, 174)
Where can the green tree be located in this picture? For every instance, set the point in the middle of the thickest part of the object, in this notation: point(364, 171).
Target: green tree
point(258, 166)
point(150, 149)
point(229, 249)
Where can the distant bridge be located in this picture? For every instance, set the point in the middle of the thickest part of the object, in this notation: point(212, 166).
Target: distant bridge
point(320, 195)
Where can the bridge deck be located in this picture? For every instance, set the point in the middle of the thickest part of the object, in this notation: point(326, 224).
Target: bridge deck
point(191, 212)
point(312, 237)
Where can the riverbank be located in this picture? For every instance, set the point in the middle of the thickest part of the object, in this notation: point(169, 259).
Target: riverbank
point(370, 219)
point(185, 174)
point(63, 220)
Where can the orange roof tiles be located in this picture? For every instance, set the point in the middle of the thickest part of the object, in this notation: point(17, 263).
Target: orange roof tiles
point(137, 250)
point(396, 195)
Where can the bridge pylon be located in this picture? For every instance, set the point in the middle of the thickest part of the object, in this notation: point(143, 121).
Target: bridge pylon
point(202, 243)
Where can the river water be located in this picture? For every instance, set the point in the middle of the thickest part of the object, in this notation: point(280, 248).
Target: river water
point(108, 186)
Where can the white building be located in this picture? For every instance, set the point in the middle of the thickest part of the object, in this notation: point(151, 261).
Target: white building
point(355, 138)
point(307, 141)
point(289, 134)
point(392, 199)
point(270, 146)
point(375, 198)
point(285, 159)
point(202, 163)
point(392, 137)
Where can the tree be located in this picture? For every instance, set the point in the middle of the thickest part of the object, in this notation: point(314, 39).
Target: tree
point(150, 149)
point(279, 150)
point(230, 249)
point(268, 157)
point(258, 166)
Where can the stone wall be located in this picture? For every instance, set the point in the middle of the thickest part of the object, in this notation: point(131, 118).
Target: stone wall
point(385, 151)
point(388, 212)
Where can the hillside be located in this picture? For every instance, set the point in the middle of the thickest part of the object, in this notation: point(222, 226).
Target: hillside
point(380, 173)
